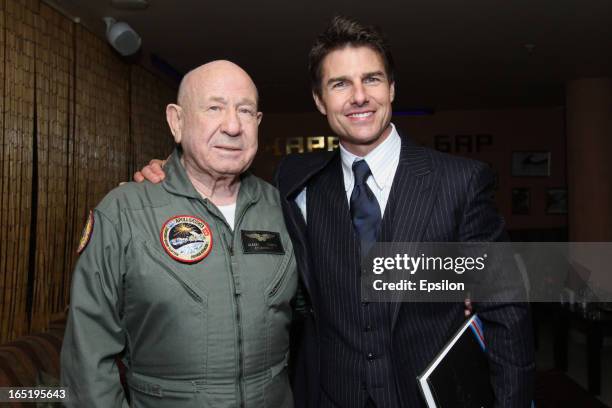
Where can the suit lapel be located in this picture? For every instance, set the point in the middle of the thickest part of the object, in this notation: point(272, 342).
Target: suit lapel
point(335, 180)
point(410, 202)
point(303, 167)
point(290, 181)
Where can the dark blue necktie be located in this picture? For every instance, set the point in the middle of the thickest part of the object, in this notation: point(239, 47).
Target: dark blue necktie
point(365, 211)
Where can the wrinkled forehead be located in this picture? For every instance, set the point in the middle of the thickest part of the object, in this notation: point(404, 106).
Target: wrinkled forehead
point(231, 88)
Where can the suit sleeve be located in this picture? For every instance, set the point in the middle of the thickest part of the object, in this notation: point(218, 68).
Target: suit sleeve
point(508, 328)
point(94, 334)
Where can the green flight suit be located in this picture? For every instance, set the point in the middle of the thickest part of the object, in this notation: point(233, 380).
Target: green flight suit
point(213, 333)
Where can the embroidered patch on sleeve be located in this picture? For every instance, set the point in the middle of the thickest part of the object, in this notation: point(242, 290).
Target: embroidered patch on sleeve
point(87, 231)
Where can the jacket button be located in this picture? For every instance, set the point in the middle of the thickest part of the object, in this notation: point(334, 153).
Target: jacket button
point(371, 356)
point(367, 328)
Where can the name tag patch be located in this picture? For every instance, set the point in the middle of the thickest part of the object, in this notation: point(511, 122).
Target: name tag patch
point(261, 242)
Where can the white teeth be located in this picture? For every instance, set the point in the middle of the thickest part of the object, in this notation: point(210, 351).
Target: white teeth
point(360, 115)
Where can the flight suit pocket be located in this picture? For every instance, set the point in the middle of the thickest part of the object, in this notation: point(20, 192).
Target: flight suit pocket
point(280, 293)
point(165, 316)
point(171, 270)
point(154, 392)
point(281, 277)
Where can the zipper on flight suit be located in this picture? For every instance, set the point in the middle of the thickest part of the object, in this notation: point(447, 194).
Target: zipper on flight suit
point(237, 290)
point(236, 286)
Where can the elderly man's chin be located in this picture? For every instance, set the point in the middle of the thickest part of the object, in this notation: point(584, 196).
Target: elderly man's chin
point(235, 164)
point(218, 165)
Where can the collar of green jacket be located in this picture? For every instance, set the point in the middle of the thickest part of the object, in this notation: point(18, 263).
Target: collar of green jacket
point(177, 182)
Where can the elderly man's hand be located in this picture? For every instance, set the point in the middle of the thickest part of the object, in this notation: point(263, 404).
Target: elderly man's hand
point(152, 172)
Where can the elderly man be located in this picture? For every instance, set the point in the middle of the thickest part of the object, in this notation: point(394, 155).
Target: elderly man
point(191, 279)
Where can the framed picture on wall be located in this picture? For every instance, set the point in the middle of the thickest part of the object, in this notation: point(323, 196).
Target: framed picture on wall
point(521, 201)
point(530, 164)
point(556, 201)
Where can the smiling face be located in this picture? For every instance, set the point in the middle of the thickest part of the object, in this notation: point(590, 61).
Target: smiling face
point(356, 97)
point(216, 120)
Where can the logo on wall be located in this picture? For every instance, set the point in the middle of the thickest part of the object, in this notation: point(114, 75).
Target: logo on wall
point(281, 146)
point(186, 239)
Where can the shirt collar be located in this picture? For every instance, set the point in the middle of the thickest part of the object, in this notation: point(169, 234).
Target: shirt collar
point(379, 160)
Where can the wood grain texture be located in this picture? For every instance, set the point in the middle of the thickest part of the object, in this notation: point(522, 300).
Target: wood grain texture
point(76, 120)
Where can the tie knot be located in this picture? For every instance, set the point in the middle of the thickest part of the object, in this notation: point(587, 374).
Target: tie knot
point(361, 170)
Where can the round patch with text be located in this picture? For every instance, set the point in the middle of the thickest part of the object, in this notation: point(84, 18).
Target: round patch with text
point(186, 238)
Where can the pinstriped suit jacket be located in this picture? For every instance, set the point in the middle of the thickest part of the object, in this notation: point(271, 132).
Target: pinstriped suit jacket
point(435, 197)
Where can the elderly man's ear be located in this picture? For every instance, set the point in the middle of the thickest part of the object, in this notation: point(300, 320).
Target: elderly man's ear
point(174, 117)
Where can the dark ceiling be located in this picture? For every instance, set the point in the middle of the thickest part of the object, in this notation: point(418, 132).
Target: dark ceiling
point(450, 54)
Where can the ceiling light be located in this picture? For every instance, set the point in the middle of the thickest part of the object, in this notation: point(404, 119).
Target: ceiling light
point(121, 36)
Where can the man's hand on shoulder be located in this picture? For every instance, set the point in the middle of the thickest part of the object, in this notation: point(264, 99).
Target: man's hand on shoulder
point(153, 172)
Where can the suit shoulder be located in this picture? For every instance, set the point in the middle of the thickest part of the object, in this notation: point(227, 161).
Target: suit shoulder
point(459, 173)
point(299, 160)
point(294, 170)
point(454, 164)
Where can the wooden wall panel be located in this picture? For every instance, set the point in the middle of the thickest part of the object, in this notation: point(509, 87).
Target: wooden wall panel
point(4, 172)
point(68, 137)
point(18, 132)
point(150, 132)
point(54, 65)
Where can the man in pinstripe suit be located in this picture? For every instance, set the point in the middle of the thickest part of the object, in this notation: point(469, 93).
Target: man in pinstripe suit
point(351, 353)
point(354, 353)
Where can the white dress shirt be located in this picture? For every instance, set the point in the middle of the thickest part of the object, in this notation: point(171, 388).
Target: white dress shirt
point(383, 161)
point(229, 212)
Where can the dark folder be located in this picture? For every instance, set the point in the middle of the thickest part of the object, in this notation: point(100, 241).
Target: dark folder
point(459, 375)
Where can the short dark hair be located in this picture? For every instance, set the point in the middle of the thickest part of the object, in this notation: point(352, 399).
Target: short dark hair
point(343, 32)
